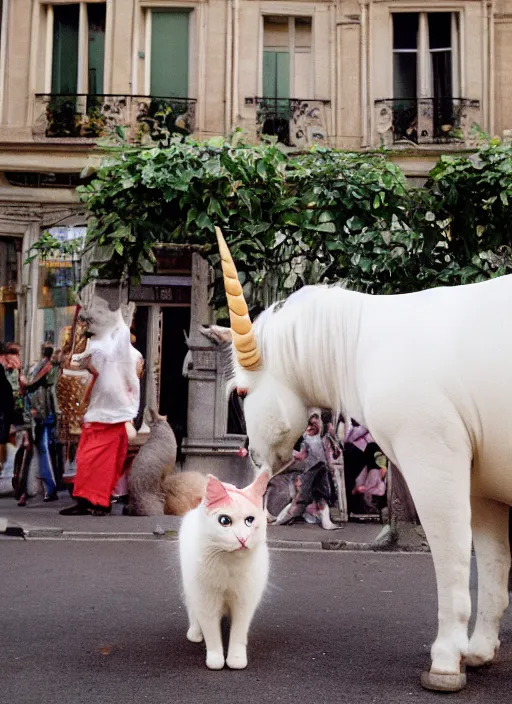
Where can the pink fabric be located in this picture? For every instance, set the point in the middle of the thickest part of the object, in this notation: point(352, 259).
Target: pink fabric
point(370, 482)
point(359, 436)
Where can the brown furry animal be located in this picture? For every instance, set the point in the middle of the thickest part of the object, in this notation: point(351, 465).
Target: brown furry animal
point(183, 491)
point(154, 488)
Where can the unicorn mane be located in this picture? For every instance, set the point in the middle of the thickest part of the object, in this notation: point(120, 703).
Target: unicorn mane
point(309, 341)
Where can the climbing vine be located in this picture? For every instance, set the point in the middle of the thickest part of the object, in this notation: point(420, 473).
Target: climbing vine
point(291, 220)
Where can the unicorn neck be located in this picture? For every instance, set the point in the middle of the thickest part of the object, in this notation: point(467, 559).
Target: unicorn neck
point(310, 343)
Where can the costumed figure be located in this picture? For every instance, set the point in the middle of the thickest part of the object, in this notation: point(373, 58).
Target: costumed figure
point(307, 482)
point(112, 400)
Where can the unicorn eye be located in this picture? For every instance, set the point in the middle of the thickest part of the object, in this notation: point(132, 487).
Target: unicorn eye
point(249, 520)
point(225, 521)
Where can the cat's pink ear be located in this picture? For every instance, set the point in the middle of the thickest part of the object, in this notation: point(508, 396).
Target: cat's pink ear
point(257, 489)
point(216, 493)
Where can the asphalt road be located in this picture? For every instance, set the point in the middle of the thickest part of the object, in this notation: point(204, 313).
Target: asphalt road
point(98, 622)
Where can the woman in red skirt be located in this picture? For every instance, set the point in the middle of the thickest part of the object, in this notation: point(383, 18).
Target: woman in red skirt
point(114, 402)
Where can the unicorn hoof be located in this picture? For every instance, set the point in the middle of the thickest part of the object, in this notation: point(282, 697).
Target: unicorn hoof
point(443, 683)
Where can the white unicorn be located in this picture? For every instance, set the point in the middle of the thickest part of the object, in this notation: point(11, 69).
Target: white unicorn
point(430, 375)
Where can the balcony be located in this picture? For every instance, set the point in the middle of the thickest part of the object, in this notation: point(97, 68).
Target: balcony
point(92, 117)
point(425, 120)
point(295, 122)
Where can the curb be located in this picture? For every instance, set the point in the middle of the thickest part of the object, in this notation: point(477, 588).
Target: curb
point(344, 546)
point(61, 534)
point(386, 541)
point(51, 533)
point(295, 544)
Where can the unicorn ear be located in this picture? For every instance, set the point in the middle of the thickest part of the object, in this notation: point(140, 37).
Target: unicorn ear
point(257, 489)
point(216, 493)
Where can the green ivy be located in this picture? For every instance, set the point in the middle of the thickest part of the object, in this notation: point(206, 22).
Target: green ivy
point(291, 220)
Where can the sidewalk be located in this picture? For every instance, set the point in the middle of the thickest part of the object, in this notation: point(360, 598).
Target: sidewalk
point(42, 520)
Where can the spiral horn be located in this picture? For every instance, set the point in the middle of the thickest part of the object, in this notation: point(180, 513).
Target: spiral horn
point(247, 351)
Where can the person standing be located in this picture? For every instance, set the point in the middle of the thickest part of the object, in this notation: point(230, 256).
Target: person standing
point(11, 361)
point(42, 409)
point(313, 485)
point(6, 406)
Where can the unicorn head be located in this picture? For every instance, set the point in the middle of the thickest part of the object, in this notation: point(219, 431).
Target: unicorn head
point(275, 414)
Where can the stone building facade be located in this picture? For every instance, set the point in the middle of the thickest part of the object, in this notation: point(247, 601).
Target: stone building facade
point(356, 74)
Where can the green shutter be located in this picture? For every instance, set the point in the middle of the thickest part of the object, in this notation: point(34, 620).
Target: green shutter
point(283, 75)
point(169, 53)
point(276, 74)
point(269, 74)
point(65, 49)
point(96, 45)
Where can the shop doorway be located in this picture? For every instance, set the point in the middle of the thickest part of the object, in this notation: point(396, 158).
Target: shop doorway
point(9, 266)
point(173, 385)
point(139, 337)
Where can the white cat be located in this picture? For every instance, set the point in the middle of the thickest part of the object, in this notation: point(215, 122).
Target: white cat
point(224, 566)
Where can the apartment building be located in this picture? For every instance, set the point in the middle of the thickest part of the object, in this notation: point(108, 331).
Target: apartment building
point(412, 75)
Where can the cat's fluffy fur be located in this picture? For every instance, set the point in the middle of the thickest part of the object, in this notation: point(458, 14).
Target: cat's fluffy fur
point(224, 567)
point(153, 486)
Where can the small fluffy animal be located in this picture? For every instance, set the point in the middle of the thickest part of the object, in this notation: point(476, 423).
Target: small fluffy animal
point(153, 486)
point(224, 566)
point(155, 461)
point(183, 491)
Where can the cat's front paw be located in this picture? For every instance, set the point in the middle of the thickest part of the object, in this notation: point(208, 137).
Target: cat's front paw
point(215, 661)
point(237, 661)
point(194, 634)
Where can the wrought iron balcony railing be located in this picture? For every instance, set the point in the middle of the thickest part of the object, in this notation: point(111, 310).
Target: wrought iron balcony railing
point(89, 117)
point(426, 120)
point(295, 122)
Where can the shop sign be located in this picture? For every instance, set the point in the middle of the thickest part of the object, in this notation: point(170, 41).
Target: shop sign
point(175, 290)
point(8, 294)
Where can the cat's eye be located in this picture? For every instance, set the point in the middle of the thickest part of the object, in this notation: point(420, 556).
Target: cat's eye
point(249, 520)
point(225, 520)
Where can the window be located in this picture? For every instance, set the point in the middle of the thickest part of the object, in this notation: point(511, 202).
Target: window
point(287, 73)
point(57, 277)
point(425, 55)
point(77, 66)
point(425, 73)
point(287, 65)
point(169, 51)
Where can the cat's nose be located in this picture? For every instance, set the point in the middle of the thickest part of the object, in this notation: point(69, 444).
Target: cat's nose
point(242, 541)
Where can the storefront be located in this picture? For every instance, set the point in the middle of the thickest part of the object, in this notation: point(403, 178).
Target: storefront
point(56, 303)
point(9, 275)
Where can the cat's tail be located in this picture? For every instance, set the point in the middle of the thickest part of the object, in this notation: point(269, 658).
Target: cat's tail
point(183, 492)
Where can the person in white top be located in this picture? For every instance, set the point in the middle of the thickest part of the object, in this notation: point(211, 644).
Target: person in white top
point(116, 367)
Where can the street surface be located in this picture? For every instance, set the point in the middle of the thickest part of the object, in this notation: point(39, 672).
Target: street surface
point(95, 622)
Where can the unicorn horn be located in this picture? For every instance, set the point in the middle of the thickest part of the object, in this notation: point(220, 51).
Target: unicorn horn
point(248, 354)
